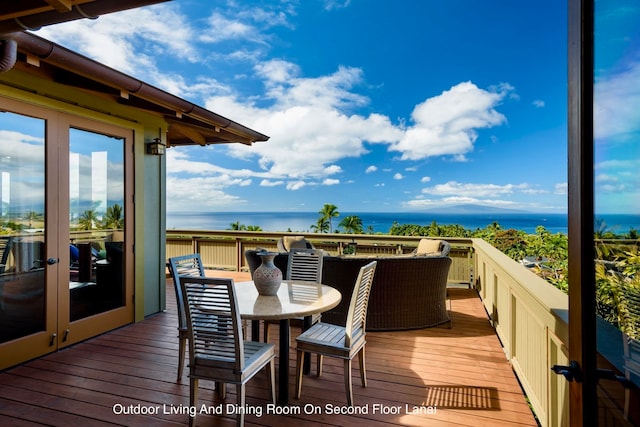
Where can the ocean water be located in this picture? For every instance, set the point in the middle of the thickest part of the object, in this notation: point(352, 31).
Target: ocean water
point(382, 221)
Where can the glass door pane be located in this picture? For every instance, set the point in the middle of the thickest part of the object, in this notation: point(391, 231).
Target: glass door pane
point(617, 197)
point(22, 227)
point(96, 223)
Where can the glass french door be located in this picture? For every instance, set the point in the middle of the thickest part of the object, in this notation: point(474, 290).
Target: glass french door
point(64, 230)
point(616, 148)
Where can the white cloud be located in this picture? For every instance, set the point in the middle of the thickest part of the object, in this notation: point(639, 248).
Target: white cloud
point(204, 193)
point(222, 28)
point(295, 185)
point(329, 181)
point(538, 103)
point(425, 179)
point(561, 189)
point(616, 100)
point(447, 124)
point(336, 4)
point(268, 183)
point(371, 169)
point(398, 176)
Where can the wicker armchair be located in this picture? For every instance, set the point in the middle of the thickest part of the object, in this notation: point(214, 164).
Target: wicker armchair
point(407, 293)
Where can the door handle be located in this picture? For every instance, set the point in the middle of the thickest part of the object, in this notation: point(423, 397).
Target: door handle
point(52, 261)
point(571, 372)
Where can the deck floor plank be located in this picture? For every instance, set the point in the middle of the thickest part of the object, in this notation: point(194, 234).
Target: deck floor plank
point(461, 371)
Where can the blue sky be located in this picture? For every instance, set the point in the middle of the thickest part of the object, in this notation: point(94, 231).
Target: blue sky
point(371, 105)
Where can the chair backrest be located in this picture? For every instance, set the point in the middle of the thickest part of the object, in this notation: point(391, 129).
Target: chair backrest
point(357, 314)
point(213, 320)
point(305, 265)
point(189, 266)
point(629, 312)
point(629, 308)
point(5, 249)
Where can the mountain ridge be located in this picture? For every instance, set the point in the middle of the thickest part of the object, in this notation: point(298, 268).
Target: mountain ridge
point(472, 209)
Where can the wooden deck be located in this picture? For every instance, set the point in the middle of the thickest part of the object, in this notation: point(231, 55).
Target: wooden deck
point(450, 377)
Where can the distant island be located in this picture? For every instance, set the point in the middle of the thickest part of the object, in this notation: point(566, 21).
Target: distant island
point(472, 209)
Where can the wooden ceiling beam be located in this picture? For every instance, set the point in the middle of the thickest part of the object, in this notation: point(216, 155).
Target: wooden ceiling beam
point(61, 5)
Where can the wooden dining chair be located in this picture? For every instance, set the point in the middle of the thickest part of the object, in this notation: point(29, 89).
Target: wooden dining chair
point(344, 342)
point(190, 266)
point(217, 350)
point(302, 265)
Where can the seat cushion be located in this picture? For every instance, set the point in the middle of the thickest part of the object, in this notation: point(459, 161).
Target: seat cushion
point(294, 242)
point(428, 247)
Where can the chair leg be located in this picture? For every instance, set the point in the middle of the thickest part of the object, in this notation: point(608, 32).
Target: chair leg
point(266, 331)
point(182, 345)
point(626, 403)
point(363, 368)
point(193, 397)
point(347, 381)
point(222, 390)
point(299, 368)
point(271, 372)
point(240, 391)
point(319, 365)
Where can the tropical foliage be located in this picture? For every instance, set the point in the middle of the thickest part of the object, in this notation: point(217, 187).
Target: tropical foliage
point(241, 227)
point(92, 220)
point(351, 224)
point(327, 212)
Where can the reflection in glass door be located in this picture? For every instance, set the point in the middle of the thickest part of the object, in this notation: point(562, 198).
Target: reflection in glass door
point(96, 223)
point(617, 201)
point(22, 226)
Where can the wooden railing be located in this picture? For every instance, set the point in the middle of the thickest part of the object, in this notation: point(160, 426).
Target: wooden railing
point(530, 316)
point(225, 249)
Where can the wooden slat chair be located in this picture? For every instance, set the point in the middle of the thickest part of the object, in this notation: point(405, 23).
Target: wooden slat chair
point(217, 350)
point(304, 265)
point(344, 342)
point(629, 309)
point(190, 266)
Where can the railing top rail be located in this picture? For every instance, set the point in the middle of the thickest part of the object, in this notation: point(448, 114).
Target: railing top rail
point(314, 237)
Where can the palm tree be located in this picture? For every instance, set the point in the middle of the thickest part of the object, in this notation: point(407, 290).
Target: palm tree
point(33, 216)
point(88, 220)
point(322, 226)
point(236, 226)
point(352, 224)
point(113, 217)
point(327, 212)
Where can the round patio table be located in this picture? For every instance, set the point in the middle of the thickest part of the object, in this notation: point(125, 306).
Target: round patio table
point(294, 299)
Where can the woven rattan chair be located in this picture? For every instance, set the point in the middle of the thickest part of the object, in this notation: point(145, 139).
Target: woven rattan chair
point(344, 342)
point(217, 350)
point(188, 266)
point(303, 265)
point(629, 309)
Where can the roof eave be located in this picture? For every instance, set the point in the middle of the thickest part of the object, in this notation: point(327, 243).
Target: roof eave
point(175, 109)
